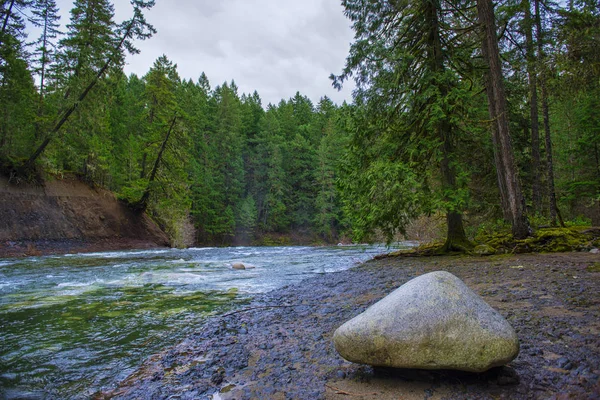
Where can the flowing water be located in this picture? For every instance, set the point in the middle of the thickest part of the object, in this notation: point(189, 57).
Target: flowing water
point(75, 324)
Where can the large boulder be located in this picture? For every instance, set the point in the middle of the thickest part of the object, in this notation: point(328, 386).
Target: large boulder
point(432, 322)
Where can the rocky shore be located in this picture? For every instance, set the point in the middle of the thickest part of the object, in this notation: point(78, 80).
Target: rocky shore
point(279, 346)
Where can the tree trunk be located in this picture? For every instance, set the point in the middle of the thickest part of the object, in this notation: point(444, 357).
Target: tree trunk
point(40, 110)
point(498, 160)
point(554, 211)
point(497, 98)
point(536, 185)
point(143, 203)
point(456, 239)
point(5, 23)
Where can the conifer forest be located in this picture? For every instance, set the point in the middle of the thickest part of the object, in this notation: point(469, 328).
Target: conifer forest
point(483, 114)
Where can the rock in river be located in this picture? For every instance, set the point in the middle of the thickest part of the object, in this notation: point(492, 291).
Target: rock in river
point(432, 322)
point(239, 265)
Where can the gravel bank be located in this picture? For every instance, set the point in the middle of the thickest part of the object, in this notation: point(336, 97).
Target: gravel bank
point(279, 346)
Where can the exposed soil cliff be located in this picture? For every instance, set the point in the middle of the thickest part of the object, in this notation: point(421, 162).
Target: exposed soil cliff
point(66, 215)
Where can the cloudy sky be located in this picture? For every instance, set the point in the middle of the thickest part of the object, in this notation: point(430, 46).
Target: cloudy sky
point(276, 47)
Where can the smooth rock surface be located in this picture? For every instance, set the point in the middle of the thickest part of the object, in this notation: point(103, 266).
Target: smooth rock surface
point(240, 265)
point(432, 322)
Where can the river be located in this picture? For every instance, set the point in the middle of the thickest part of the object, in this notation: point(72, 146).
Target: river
point(75, 324)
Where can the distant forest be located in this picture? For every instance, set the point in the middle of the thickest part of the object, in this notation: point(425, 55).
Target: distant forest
point(487, 115)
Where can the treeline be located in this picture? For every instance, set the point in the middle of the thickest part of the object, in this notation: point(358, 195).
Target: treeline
point(474, 110)
point(210, 165)
point(461, 109)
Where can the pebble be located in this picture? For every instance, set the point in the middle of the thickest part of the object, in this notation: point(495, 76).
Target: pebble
point(564, 363)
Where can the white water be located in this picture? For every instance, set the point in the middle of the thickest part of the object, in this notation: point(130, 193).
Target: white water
point(72, 325)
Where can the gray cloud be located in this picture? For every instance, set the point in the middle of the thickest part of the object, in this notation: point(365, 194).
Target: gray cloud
point(276, 47)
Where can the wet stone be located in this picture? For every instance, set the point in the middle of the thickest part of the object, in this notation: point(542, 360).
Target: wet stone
point(432, 322)
point(564, 363)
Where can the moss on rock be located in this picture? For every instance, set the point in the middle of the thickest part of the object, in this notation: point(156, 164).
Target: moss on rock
point(544, 240)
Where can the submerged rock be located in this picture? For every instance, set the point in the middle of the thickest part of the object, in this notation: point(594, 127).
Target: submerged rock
point(238, 265)
point(432, 322)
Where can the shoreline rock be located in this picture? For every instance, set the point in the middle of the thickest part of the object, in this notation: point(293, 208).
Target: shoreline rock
point(433, 321)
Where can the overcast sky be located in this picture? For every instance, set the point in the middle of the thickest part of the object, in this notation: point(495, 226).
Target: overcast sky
point(276, 47)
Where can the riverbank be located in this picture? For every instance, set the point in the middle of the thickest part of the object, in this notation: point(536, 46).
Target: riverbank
point(34, 248)
point(61, 216)
point(280, 346)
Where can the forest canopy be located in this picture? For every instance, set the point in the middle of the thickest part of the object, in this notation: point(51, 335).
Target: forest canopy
point(464, 109)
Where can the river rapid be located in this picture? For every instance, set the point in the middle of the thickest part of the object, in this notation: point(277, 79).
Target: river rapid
point(75, 324)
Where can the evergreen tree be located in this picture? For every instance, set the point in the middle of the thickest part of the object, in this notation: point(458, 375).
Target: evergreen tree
point(46, 16)
point(576, 107)
point(17, 93)
point(271, 186)
point(412, 98)
point(12, 22)
point(136, 27)
point(328, 213)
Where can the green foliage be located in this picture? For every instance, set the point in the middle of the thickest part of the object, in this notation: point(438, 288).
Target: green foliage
point(575, 109)
point(248, 215)
point(410, 105)
point(414, 143)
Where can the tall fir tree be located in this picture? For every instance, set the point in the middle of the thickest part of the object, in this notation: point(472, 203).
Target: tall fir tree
point(46, 17)
point(400, 62)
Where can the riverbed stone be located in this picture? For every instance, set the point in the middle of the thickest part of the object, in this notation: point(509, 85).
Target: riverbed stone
point(432, 322)
point(240, 265)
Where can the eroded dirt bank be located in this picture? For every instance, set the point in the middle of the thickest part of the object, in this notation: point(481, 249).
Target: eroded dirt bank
point(279, 347)
point(63, 216)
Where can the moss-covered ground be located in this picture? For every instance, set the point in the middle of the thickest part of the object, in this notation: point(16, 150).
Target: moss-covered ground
point(542, 240)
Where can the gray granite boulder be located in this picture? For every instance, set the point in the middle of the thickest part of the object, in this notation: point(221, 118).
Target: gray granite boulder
point(432, 322)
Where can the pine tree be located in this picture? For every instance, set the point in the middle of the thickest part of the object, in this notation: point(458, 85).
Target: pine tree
point(13, 26)
point(327, 216)
point(74, 64)
point(270, 177)
point(400, 61)
point(46, 16)
point(162, 112)
point(577, 81)
point(17, 91)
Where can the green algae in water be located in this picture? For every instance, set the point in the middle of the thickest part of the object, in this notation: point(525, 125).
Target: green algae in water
point(73, 325)
point(118, 326)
